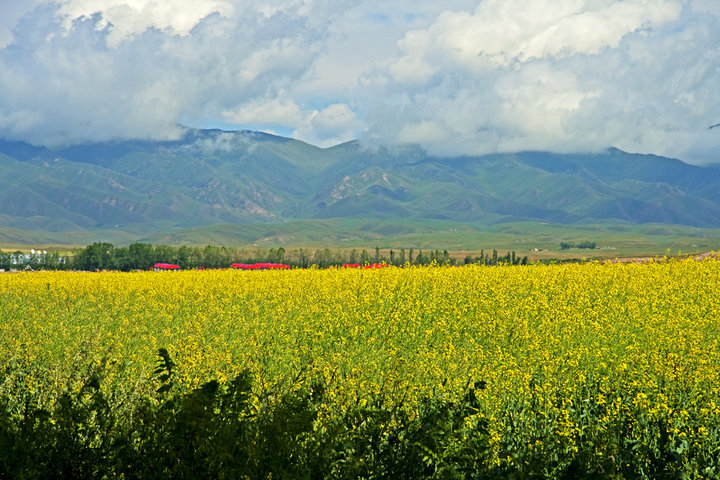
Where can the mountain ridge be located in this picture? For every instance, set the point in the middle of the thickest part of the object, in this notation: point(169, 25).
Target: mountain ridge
point(214, 177)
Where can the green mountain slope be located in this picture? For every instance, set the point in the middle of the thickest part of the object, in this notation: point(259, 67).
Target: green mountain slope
point(213, 178)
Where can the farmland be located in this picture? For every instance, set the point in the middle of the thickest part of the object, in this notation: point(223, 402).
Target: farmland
point(601, 367)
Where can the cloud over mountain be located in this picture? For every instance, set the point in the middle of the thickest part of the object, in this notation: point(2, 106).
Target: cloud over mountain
point(460, 77)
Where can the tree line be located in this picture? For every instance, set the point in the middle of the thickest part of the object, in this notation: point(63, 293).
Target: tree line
point(142, 256)
point(495, 259)
point(584, 244)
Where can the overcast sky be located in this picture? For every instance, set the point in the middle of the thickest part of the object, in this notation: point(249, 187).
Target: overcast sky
point(457, 77)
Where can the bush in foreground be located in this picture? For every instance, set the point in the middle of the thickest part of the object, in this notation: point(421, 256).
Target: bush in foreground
point(225, 430)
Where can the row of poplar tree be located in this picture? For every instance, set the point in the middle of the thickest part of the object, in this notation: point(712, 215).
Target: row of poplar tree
point(142, 256)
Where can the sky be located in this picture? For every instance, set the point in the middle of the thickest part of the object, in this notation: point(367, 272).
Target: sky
point(458, 77)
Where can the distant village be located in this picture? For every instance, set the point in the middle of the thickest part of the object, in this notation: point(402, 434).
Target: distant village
point(18, 260)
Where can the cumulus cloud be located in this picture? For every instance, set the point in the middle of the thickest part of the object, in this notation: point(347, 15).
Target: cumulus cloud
point(276, 110)
point(457, 77)
point(563, 75)
point(85, 70)
point(332, 125)
point(503, 33)
point(125, 19)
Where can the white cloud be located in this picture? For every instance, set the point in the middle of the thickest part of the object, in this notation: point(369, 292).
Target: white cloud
point(279, 110)
point(501, 33)
point(538, 100)
point(97, 70)
point(563, 75)
point(457, 77)
point(126, 19)
point(332, 125)
point(426, 131)
point(711, 7)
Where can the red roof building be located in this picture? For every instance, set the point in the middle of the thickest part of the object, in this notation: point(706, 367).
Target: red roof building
point(162, 267)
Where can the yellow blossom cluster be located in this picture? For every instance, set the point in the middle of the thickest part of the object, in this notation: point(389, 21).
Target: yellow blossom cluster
point(565, 349)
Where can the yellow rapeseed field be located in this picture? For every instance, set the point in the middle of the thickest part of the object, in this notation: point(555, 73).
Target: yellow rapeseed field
point(564, 349)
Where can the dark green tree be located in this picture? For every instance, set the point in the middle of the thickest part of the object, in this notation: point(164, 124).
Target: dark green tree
point(141, 256)
point(303, 258)
point(98, 256)
point(5, 262)
point(213, 257)
point(323, 258)
point(276, 255)
point(353, 258)
point(364, 257)
point(184, 257)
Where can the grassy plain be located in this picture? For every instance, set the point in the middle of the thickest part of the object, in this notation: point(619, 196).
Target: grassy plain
point(592, 358)
point(536, 240)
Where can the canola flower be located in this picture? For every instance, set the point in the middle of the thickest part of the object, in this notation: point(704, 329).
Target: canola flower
point(625, 352)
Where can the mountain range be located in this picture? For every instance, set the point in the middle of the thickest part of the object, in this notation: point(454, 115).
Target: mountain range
point(212, 178)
